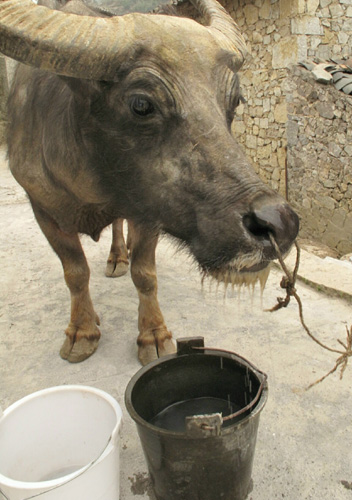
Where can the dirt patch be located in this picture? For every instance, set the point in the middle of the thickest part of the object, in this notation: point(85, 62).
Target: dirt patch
point(347, 485)
point(141, 484)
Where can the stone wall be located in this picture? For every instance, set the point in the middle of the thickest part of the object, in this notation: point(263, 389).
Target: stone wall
point(319, 139)
point(279, 33)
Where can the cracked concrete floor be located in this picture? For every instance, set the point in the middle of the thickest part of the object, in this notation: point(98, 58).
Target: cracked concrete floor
point(304, 441)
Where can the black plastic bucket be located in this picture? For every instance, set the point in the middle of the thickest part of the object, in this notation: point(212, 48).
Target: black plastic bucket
point(205, 457)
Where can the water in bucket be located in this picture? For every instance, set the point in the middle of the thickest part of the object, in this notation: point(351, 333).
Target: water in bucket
point(173, 417)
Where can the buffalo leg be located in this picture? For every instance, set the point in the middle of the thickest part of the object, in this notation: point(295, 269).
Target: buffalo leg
point(82, 333)
point(154, 338)
point(117, 264)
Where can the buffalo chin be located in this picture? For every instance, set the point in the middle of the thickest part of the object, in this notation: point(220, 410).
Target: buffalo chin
point(245, 277)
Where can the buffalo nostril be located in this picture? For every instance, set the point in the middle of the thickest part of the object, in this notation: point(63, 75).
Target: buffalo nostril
point(279, 220)
point(256, 226)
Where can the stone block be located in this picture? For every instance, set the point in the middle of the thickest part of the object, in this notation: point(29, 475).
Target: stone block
point(315, 41)
point(324, 52)
point(264, 123)
point(306, 25)
point(325, 110)
point(280, 113)
point(289, 51)
point(264, 11)
point(343, 37)
point(264, 152)
point(333, 235)
point(273, 161)
point(238, 128)
point(312, 6)
point(329, 184)
point(289, 8)
point(251, 13)
point(306, 203)
point(292, 133)
point(276, 175)
point(334, 149)
point(347, 25)
point(325, 3)
point(326, 202)
point(266, 105)
point(275, 10)
point(348, 150)
point(251, 142)
point(348, 225)
point(281, 157)
point(339, 217)
point(336, 10)
point(257, 37)
point(329, 36)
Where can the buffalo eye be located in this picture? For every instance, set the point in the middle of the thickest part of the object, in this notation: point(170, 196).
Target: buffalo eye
point(141, 106)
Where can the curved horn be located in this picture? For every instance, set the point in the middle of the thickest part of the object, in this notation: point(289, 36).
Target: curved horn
point(91, 47)
point(64, 43)
point(226, 30)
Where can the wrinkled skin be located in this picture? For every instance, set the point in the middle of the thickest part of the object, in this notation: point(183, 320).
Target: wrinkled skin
point(153, 147)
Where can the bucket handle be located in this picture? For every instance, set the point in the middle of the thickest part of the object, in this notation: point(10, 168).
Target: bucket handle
point(260, 389)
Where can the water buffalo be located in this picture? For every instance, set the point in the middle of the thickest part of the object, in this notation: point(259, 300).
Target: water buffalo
point(129, 117)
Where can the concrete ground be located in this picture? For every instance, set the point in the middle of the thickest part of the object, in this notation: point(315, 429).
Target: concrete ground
point(305, 438)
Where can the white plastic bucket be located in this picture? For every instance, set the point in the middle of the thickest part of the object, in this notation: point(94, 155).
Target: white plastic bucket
point(61, 443)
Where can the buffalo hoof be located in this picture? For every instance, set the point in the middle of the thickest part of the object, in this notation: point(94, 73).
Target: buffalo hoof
point(151, 352)
point(77, 350)
point(116, 269)
point(167, 347)
point(147, 354)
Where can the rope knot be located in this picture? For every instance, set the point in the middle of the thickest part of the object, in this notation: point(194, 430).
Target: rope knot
point(288, 285)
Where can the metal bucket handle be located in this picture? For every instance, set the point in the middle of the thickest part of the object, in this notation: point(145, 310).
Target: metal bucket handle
point(213, 423)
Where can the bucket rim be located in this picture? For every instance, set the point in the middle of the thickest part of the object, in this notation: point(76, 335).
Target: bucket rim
point(205, 351)
point(52, 483)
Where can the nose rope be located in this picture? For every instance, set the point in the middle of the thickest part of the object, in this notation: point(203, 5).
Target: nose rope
point(288, 283)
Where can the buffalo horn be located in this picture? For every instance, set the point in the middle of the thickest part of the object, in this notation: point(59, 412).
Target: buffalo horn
point(224, 28)
point(91, 47)
point(64, 43)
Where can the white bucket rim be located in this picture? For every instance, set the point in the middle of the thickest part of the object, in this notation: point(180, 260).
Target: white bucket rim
point(52, 483)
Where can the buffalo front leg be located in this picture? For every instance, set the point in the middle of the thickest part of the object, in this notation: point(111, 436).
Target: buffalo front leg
point(117, 264)
point(154, 339)
point(82, 333)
